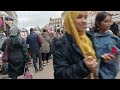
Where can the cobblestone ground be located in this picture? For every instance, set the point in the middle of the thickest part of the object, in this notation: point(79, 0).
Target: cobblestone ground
point(118, 75)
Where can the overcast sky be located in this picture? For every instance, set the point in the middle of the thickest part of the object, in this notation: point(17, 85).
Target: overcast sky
point(28, 19)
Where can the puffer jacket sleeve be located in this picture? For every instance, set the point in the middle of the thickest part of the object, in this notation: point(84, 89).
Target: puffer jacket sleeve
point(25, 51)
point(63, 69)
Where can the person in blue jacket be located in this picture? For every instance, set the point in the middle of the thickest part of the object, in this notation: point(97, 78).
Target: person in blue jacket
point(104, 41)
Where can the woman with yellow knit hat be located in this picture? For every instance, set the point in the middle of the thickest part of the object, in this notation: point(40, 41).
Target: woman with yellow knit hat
point(74, 56)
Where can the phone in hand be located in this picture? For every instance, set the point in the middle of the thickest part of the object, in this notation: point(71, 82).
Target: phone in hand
point(111, 55)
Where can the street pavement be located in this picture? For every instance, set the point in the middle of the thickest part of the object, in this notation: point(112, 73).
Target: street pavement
point(46, 73)
point(118, 75)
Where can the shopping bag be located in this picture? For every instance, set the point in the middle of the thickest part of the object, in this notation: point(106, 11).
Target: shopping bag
point(27, 74)
point(5, 55)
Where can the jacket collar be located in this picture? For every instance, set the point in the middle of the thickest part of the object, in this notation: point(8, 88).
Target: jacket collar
point(73, 43)
point(72, 40)
point(32, 32)
point(108, 32)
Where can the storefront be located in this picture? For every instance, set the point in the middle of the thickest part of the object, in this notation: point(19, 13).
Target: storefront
point(6, 22)
point(24, 33)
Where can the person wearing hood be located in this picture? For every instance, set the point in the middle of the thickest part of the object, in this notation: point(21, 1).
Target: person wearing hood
point(105, 41)
point(18, 53)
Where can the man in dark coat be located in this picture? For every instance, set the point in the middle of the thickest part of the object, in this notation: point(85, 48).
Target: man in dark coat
point(18, 53)
point(35, 43)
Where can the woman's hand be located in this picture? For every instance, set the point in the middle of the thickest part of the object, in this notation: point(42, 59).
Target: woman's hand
point(91, 63)
point(107, 57)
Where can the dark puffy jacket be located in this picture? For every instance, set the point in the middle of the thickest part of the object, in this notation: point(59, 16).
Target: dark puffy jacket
point(114, 28)
point(18, 56)
point(34, 41)
point(68, 59)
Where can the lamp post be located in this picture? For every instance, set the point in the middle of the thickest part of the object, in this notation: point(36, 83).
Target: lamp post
point(23, 23)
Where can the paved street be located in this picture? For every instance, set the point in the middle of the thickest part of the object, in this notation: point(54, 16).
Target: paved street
point(118, 76)
point(46, 73)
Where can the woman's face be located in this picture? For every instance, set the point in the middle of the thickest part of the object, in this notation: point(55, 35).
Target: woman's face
point(81, 21)
point(105, 24)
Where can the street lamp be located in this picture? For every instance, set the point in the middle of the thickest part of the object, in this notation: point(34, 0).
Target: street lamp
point(23, 23)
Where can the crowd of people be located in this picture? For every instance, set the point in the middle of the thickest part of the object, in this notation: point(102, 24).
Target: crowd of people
point(36, 48)
point(77, 52)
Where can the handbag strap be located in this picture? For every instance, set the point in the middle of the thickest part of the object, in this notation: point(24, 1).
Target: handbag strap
point(26, 67)
point(33, 72)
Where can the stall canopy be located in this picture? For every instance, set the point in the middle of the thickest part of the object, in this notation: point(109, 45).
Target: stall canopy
point(1, 21)
point(9, 21)
point(4, 17)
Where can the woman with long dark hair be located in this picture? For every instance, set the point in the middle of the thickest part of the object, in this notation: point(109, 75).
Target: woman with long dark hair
point(107, 46)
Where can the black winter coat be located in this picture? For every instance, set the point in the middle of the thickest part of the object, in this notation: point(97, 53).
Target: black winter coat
point(18, 57)
point(33, 42)
point(68, 59)
point(114, 28)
